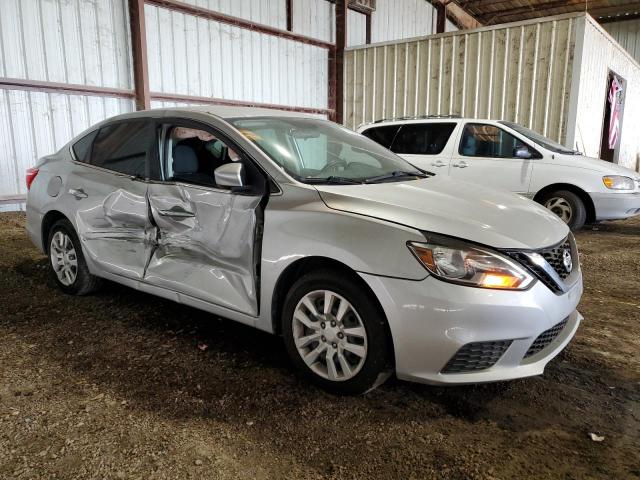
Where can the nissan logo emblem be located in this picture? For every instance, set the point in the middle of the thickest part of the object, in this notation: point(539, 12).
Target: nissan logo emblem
point(567, 261)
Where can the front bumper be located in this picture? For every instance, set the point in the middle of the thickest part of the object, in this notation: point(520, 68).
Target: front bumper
point(431, 320)
point(615, 206)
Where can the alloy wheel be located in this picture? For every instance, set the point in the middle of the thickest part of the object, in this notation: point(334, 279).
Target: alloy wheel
point(561, 207)
point(329, 335)
point(63, 258)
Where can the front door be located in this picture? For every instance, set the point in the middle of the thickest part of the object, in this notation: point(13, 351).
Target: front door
point(486, 155)
point(108, 191)
point(208, 243)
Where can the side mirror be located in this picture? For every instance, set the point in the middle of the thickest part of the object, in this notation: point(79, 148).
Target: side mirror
point(230, 175)
point(522, 152)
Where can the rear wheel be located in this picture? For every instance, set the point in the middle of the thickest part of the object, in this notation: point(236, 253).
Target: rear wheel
point(334, 333)
point(568, 206)
point(67, 261)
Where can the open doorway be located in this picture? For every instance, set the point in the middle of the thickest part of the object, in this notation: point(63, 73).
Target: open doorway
point(612, 123)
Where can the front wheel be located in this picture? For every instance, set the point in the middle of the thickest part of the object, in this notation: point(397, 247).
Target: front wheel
point(334, 333)
point(568, 206)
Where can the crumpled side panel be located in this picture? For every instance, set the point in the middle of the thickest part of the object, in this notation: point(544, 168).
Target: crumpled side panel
point(209, 255)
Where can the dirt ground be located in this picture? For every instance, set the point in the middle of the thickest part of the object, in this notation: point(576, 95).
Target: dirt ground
point(115, 385)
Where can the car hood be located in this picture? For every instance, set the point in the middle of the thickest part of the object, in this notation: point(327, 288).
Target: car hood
point(602, 166)
point(464, 210)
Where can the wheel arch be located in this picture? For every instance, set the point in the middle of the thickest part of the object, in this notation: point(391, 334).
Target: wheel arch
point(305, 265)
point(50, 218)
point(584, 196)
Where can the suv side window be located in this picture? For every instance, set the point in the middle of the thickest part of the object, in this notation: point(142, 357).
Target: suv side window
point(82, 148)
point(382, 135)
point(480, 140)
point(422, 138)
point(124, 146)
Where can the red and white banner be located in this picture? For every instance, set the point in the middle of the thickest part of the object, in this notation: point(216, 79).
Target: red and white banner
point(615, 103)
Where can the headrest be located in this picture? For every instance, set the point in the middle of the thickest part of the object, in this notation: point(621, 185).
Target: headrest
point(185, 160)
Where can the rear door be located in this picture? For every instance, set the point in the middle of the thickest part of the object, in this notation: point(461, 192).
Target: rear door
point(209, 237)
point(486, 155)
point(108, 190)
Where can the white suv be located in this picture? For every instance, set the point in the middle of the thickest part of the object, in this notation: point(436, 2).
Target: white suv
point(508, 156)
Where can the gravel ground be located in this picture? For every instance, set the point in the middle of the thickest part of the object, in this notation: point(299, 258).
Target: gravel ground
point(125, 385)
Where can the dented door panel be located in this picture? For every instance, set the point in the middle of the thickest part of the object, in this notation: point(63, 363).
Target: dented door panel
point(112, 220)
point(205, 244)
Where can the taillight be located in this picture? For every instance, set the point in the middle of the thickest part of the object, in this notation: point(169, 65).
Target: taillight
point(31, 176)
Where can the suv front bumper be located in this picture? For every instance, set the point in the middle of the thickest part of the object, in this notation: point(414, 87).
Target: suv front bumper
point(431, 320)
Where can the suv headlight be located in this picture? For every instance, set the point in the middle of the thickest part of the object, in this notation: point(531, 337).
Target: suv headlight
point(460, 262)
point(618, 182)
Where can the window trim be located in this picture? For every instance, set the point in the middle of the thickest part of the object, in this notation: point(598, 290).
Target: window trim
point(165, 124)
point(535, 154)
point(76, 140)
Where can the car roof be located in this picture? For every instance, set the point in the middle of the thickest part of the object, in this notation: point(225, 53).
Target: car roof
point(223, 111)
point(423, 119)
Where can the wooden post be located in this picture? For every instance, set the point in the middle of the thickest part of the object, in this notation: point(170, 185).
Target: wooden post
point(341, 41)
point(139, 47)
point(289, 9)
point(441, 11)
point(368, 29)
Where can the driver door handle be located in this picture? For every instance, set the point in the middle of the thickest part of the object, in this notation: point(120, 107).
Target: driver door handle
point(438, 163)
point(461, 164)
point(78, 193)
point(176, 212)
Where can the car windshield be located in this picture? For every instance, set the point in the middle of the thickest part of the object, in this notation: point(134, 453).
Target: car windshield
point(318, 151)
point(539, 139)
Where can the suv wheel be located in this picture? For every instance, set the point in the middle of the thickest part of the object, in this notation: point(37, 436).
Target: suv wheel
point(568, 206)
point(67, 261)
point(334, 334)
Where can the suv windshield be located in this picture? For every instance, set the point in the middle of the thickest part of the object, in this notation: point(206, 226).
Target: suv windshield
point(539, 139)
point(318, 151)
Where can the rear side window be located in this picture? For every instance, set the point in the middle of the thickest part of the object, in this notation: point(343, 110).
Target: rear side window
point(123, 147)
point(422, 138)
point(82, 148)
point(382, 135)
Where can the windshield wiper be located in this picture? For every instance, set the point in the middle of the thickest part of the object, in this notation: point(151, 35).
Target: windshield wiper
point(332, 179)
point(396, 175)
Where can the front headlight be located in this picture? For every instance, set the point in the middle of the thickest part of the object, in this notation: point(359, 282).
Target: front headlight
point(460, 262)
point(618, 182)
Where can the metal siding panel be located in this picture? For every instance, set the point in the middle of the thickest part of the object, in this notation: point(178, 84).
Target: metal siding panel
point(356, 28)
point(496, 72)
point(601, 54)
point(627, 34)
point(266, 12)
point(399, 19)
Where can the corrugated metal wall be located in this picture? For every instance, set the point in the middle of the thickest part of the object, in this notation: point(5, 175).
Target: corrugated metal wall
point(627, 34)
point(267, 12)
point(194, 56)
point(520, 72)
point(601, 54)
point(77, 42)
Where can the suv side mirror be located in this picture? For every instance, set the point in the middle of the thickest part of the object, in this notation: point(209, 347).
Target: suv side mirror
point(522, 152)
point(230, 175)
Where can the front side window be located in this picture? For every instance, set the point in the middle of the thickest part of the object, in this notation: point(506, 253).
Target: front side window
point(123, 147)
point(539, 139)
point(422, 138)
point(480, 140)
point(318, 151)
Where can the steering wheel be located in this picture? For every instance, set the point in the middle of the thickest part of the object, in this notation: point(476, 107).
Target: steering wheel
point(333, 165)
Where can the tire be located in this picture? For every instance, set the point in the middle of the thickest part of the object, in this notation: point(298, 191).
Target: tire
point(568, 206)
point(358, 345)
point(65, 254)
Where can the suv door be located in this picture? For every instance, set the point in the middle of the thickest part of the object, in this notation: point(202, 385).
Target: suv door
point(108, 191)
point(209, 237)
point(424, 145)
point(491, 156)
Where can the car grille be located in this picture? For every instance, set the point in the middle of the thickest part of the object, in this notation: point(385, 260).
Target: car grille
point(476, 356)
point(545, 338)
point(554, 257)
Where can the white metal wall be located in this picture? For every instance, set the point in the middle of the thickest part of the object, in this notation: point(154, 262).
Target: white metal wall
point(315, 19)
point(600, 53)
point(266, 12)
point(627, 34)
point(79, 42)
point(194, 56)
point(519, 72)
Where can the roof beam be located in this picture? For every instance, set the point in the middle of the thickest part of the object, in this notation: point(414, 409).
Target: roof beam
point(459, 15)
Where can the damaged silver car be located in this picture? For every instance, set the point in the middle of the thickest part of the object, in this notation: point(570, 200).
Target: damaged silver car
point(297, 226)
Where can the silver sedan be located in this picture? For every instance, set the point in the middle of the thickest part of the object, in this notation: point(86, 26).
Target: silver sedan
point(297, 226)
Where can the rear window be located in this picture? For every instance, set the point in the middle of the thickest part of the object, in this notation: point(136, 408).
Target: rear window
point(382, 135)
point(422, 138)
point(82, 148)
point(123, 147)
